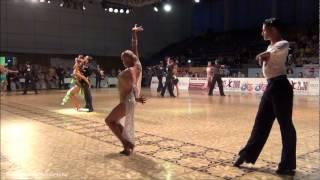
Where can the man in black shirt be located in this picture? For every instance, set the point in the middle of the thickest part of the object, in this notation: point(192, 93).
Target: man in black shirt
point(87, 71)
point(30, 78)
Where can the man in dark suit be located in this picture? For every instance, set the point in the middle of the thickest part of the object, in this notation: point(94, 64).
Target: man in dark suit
point(159, 74)
point(216, 78)
point(61, 73)
point(30, 77)
point(169, 78)
point(98, 76)
point(87, 71)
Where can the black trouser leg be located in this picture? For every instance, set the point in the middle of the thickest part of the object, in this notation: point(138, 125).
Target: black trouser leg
point(88, 97)
point(277, 101)
point(168, 85)
point(220, 85)
point(98, 83)
point(26, 86)
point(213, 83)
point(34, 86)
point(9, 84)
point(61, 83)
point(170, 88)
point(283, 104)
point(164, 88)
point(160, 85)
point(261, 130)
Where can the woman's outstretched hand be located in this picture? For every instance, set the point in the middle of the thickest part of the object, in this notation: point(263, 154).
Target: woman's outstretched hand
point(141, 100)
point(137, 29)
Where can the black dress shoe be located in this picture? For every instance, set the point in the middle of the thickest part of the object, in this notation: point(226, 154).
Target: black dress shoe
point(240, 160)
point(287, 172)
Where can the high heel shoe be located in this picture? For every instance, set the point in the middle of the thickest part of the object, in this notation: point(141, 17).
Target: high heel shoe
point(126, 152)
point(128, 148)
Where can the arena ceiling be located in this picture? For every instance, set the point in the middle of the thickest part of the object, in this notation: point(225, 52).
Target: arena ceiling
point(132, 3)
point(135, 3)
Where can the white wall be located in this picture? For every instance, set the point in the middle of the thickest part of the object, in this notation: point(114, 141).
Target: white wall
point(45, 28)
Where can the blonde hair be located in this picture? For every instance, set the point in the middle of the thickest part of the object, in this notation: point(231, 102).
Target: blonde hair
point(131, 55)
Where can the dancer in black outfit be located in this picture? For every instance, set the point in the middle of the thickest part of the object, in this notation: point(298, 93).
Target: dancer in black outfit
point(276, 102)
point(216, 78)
point(30, 77)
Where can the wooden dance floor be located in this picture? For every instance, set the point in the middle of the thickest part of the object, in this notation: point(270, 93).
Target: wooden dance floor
point(190, 137)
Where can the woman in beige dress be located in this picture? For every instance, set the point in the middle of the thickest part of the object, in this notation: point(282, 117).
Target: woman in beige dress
point(120, 120)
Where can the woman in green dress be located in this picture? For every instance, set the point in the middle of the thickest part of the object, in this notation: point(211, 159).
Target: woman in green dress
point(75, 82)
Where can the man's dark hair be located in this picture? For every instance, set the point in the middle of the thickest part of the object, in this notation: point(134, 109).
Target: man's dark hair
point(275, 23)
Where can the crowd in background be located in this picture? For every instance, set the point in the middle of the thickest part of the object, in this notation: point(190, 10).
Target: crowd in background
point(236, 49)
point(48, 77)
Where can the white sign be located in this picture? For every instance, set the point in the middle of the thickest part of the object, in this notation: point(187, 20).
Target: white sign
point(301, 86)
point(113, 81)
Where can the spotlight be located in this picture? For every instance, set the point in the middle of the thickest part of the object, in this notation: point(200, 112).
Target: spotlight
point(167, 7)
point(121, 11)
point(61, 4)
point(42, 1)
point(155, 8)
point(111, 10)
point(34, 1)
point(84, 7)
point(105, 9)
point(127, 11)
point(196, 1)
point(189, 61)
point(49, 2)
point(116, 11)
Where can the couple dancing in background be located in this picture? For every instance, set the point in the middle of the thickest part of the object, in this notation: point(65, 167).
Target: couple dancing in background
point(214, 76)
point(171, 78)
point(80, 84)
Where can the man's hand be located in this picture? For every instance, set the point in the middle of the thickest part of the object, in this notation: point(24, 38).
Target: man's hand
point(265, 56)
